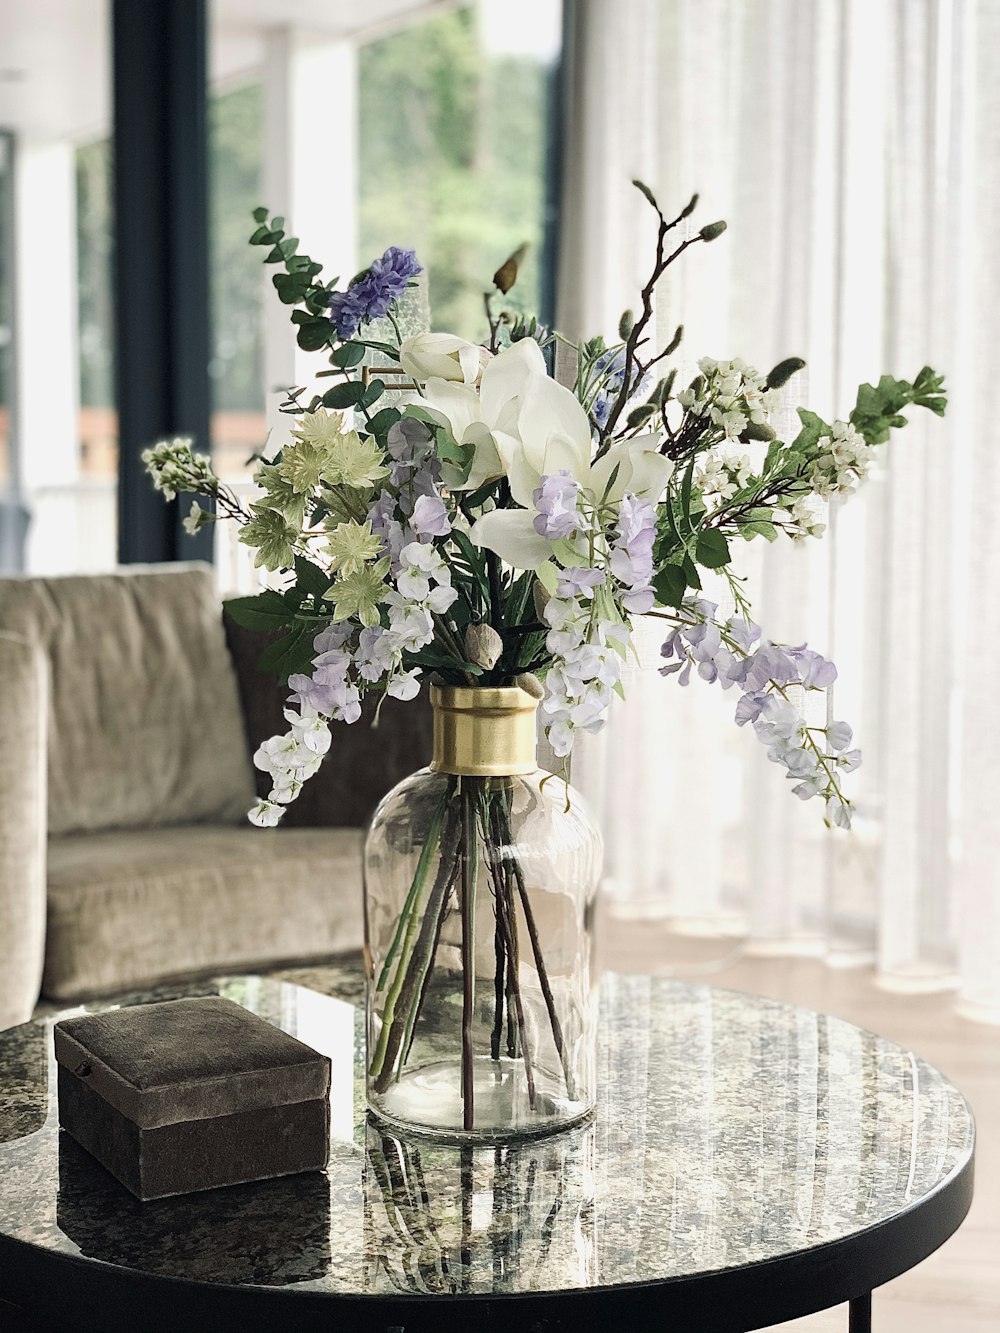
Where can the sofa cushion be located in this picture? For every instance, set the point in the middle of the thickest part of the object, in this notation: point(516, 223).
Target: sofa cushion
point(131, 908)
point(144, 718)
point(22, 827)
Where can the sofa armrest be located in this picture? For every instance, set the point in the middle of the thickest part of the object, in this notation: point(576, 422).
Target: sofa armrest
point(362, 764)
point(23, 728)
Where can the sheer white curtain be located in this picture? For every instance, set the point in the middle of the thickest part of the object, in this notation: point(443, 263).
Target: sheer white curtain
point(853, 146)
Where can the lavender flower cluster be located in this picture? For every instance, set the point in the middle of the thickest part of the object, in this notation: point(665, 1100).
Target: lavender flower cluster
point(370, 296)
point(733, 653)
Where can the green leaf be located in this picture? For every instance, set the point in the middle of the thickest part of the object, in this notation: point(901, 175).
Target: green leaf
point(294, 652)
point(267, 611)
point(813, 429)
point(386, 349)
point(711, 549)
point(475, 560)
point(670, 585)
point(690, 571)
point(758, 528)
point(261, 235)
point(344, 395)
point(291, 287)
point(311, 579)
point(348, 355)
point(313, 335)
point(382, 422)
point(375, 390)
point(260, 214)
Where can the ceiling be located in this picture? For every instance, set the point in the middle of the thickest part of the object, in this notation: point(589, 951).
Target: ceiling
point(54, 54)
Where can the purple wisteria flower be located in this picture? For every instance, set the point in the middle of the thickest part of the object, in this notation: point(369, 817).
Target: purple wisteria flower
point(555, 501)
point(578, 580)
point(374, 291)
point(811, 756)
point(632, 553)
point(430, 517)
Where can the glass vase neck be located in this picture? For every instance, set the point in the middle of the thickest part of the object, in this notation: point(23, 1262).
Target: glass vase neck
point(484, 731)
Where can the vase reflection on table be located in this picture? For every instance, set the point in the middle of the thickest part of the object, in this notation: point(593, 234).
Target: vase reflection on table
point(449, 1220)
point(480, 879)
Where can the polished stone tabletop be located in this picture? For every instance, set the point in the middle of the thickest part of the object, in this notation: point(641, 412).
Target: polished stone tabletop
point(731, 1130)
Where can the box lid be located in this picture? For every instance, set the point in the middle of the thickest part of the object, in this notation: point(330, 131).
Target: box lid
point(191, 1059)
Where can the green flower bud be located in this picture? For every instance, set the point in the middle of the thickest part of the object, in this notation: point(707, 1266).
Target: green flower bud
point(784, 371)
point(693, 204)
point(626, 324)
point(675, 341)
point(712, 231)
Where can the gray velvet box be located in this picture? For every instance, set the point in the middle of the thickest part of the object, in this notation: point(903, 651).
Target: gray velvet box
point(189, 1095)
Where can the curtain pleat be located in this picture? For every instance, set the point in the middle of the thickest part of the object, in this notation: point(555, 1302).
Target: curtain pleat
point(854, 148)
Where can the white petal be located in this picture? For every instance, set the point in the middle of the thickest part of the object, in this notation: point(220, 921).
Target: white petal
point(511, 535)
point(453, 405)
point(524, 478)
point(554, 429)
point(650, 471)
point(505, 376)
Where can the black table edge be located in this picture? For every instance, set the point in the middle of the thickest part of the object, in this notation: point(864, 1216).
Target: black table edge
point(63, 1291)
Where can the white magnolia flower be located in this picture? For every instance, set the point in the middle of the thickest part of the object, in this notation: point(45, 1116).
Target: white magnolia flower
point(443, 356)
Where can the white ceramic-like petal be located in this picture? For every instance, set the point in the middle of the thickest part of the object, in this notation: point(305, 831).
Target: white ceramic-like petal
point(650, 471)
point(505, 376)
point(554, 429)
point(486, 460)
point(641, 471)
point(603, 470)
point(511, 535)
point(523, 478)
point(453, 405)
point(439, 356)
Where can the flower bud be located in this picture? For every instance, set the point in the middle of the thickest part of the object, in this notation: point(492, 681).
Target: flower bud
point(692, 205)
point(784, 371)
point(540, 596)
point(530, 684)
point(483, 646)
point(712, 231)
point(626, 324)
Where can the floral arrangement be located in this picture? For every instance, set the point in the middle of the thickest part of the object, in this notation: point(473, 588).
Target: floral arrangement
point(453, 511)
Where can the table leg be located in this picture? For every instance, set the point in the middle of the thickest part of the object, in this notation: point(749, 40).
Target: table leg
point(860, 1317)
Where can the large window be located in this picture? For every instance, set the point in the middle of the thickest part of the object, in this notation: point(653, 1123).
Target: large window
point(453, 129)
point(237, 285)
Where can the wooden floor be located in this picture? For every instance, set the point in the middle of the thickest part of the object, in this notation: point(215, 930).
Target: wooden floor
point(956, 1290)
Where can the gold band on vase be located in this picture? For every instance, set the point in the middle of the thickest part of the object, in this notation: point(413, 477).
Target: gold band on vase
point(485, 732)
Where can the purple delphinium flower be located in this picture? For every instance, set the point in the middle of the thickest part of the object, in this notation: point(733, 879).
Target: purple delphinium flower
point(555, 501)
point(611, 365)
point(374, 291)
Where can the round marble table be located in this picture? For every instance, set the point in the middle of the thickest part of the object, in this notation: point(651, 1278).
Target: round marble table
point(750, 1162)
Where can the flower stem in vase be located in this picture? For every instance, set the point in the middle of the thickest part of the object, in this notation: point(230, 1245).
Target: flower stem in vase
point(503, 835)
point(469, 855)
point(413, 966)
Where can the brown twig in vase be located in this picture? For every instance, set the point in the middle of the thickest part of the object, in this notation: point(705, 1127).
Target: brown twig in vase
point(660, 266)
point(469, 857)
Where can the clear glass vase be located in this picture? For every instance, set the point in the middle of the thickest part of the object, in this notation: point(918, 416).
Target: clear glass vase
point(479, 934)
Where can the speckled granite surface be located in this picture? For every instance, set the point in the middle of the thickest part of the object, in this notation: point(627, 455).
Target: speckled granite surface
point(730, 1129)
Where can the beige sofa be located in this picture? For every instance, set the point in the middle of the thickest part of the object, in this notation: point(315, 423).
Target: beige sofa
point(127, 721)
